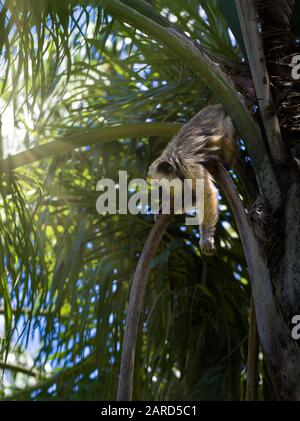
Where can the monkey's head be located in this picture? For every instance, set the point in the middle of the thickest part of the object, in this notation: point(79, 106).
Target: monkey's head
point(163, 167)
point(165, 170)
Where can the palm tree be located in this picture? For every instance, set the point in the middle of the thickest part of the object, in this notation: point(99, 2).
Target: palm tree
point(90, 88)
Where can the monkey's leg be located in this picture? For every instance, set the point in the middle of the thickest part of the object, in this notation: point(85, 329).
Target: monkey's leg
point(211, 215)
point(229, 146)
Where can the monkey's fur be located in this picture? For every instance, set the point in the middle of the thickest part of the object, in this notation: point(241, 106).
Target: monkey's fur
point(208, 136)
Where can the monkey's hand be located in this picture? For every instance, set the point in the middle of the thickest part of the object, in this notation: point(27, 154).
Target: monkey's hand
point(207, 246)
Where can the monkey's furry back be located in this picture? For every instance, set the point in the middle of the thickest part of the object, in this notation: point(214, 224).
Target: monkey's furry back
point(208, 134)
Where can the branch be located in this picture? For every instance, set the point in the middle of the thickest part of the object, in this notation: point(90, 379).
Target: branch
point(252, 359)
point(29, 311)
point(248, 19)
point(92, 137)
point(45, 382)
point(18, 368)
point(137, 291)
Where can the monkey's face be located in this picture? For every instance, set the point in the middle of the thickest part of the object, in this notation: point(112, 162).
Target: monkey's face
point(161, 168)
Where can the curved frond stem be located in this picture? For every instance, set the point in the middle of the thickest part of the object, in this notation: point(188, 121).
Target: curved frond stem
point(93, 137)
point(252, 359)
point(270, 322)
point(137, 292)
